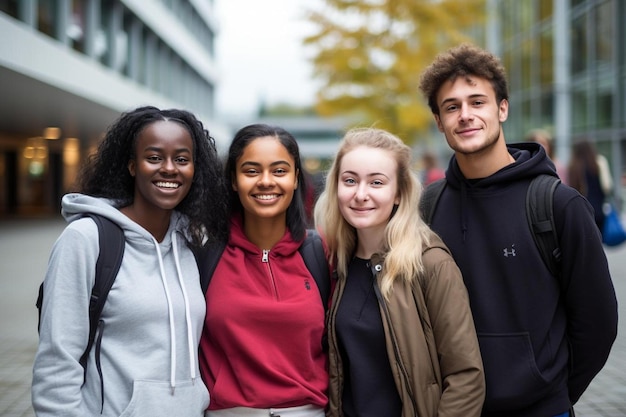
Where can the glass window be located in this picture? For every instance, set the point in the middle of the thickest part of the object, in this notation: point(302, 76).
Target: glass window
point(545, 10)
point(547, 108)
point(46, 18)
point(604, 109)
point(546, 58)
point(9, 7)
point(605, 32)
point(76, 29)
point(526, 16)
point(527, 63)
point(579, 111)
point(579, 45)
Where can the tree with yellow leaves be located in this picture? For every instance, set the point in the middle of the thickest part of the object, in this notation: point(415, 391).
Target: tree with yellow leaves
point(370, 54)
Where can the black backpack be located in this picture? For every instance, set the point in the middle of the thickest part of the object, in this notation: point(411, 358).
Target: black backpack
point(311, 250)
point(112, 243)
point(539, 214)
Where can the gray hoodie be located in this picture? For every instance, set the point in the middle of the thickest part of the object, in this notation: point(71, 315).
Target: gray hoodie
point(153, 318)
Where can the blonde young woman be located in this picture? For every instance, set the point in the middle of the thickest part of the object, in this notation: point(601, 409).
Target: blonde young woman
point(401, 334)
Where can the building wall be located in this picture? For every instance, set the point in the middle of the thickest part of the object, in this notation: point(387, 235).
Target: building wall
point(567, 73)
point(76, 65)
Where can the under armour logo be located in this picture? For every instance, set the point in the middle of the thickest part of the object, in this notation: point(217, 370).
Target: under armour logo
point(307, 284)
point(509, 252)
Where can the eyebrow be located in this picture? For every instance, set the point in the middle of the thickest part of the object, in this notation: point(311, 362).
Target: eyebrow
point(160, 149)
point(373, 174)
point(452, 99)
point(275, 163)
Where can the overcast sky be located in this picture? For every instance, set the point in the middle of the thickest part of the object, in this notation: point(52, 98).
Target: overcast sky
point(260, 55)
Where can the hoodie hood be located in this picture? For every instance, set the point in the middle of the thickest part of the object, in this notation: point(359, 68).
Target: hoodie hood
point(530, 161)
point(75, 205)
point(139, 240)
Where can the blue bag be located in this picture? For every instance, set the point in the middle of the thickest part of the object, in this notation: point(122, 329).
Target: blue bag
point(613, 233)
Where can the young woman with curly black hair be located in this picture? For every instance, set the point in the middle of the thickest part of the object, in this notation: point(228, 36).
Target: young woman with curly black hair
point(157, 176)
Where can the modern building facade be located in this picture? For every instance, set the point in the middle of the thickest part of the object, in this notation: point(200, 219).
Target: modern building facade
point(68, 68)
point(566, 62)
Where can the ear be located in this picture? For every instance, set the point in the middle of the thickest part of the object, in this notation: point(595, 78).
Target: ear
point(132, 167)
point(233, 184)
point(503, 110)
point(438, 121)
point(295, 186)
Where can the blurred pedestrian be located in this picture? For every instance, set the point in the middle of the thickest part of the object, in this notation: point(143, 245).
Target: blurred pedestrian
point(545, 139)
point(589, 174)
point(261, 352)
point(543, 337)
point(431, 171)
point(157, 176)
point(401, 335)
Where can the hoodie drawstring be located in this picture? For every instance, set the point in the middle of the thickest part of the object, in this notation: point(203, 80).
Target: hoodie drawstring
point(170, 309)
point(192, 350)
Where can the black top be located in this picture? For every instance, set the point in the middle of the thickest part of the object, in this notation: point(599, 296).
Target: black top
point(369, 388)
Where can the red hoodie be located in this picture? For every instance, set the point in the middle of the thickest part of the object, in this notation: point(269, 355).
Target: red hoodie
point(262, 341)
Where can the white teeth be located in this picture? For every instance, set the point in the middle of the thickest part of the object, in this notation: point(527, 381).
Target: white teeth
point(265, 196)
point(163, 184)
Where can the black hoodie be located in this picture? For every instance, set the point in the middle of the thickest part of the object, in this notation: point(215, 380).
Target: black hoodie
point(542, 338)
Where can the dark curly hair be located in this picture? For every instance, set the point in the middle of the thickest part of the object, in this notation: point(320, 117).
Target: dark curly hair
point(106, 172)
point(296, 214)
point(463, 61)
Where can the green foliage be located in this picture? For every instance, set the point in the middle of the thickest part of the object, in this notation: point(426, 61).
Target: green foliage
point(370, 54)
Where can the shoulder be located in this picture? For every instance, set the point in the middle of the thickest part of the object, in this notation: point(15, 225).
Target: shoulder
point(80, 231)
point(436, 254)
point(566, 197)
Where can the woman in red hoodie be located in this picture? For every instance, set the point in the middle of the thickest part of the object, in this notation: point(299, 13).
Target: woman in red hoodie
point(261, 350)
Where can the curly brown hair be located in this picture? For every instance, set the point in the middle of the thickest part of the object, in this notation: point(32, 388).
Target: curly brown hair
point(462, 61)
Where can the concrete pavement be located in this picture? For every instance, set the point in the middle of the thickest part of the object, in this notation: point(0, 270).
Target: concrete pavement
point(24, 249)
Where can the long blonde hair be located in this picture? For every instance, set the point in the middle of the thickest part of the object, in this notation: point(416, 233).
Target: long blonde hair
point(405, 234)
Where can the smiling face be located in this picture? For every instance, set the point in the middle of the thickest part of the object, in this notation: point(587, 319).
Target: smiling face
point(367, 188)
point(265, 179)
point(469, 115)
point(163, 166)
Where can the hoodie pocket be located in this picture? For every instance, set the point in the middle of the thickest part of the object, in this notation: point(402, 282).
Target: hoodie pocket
point(155, 398)
point(513, 379)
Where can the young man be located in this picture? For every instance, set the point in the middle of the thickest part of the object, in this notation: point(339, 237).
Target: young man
point(542, 337)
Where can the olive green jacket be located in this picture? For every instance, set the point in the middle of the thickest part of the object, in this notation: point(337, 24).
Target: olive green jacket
point(431, 342)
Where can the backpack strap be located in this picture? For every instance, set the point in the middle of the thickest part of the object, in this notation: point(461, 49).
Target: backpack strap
point(112, 244)
point(208, 262)
point(311, 250)
point(540, 215)
point(314, 256)
point(430, 198)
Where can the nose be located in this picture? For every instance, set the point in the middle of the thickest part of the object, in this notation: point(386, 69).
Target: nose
point(465, 114)
point(361, 192)
point(265, 179)
point(169, 166)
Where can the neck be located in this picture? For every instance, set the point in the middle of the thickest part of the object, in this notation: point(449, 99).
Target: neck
point(264, 232)
point(485, 162)
point(369, 242)
point(156, 222)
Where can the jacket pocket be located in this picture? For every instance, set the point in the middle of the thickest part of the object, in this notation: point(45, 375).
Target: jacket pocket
point(513, 379)
point(155, 398)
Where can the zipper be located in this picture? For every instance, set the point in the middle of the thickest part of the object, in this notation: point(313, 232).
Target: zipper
point(399, 362)
point(266, 260)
